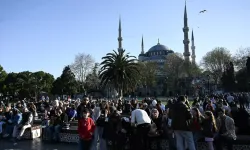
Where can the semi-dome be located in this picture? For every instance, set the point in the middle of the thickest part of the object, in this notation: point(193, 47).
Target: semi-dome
point(158, 47)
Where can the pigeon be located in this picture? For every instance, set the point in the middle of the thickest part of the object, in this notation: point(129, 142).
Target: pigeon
point(203, 11)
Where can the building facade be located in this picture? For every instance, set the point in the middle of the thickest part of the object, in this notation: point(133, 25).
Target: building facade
point(158, 53)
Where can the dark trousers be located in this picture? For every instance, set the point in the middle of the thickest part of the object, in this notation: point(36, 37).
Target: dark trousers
point(140, 141)
point(220, 141)
point(85, 144)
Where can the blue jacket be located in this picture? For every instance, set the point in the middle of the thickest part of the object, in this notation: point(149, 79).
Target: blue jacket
point(17, 119)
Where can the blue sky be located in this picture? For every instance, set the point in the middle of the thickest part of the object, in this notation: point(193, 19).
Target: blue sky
point(47, 34)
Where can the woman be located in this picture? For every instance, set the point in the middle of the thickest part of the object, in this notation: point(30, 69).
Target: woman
point(86, 128)
point(157, 120)
point(209, 129)
point(99, 116)
point(196, 125)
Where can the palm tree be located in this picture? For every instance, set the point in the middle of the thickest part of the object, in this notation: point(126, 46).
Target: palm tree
point(120, 70)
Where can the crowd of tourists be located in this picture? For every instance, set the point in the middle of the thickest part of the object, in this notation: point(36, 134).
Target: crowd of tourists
point(131, 124)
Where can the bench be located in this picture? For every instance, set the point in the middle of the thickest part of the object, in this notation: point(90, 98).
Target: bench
point(32, 133)
point(68, 136)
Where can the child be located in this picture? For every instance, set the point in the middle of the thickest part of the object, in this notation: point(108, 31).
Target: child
point(86, 128)
point(209, 129)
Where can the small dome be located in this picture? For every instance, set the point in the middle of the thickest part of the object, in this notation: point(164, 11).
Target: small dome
point(158, 47)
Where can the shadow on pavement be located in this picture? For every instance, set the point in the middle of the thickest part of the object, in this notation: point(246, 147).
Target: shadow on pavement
point(35, 144)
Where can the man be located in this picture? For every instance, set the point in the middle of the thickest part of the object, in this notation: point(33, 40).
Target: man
point(27, 121)
point(230, 99)
point(181, 119)
point(142, 121)
point(84, 105)
point(225, 125)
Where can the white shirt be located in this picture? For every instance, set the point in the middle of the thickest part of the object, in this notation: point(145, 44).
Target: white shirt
point(140, 116)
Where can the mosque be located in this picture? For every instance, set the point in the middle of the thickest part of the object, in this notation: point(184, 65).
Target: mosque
point(158, 52)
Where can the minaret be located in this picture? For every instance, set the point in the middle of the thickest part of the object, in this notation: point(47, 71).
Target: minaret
point(120, 36)
point(142, 46)
point(193, 48)
point(186, 40)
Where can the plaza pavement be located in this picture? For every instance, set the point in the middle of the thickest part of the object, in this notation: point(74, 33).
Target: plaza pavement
point(35, 144)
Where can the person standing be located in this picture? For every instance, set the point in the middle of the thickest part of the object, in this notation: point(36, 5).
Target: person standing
point(86, 128)
point(226, 131)
point(142, 121)
point(181, 120)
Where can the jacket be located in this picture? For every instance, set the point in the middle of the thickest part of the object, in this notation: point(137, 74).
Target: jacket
point(229, 124)
point(208, 128)
point(86, 128)
point(27, 118)
point(17, 119)
point(181, 117)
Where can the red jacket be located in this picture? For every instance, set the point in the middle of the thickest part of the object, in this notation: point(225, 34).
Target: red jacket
point(86, 128)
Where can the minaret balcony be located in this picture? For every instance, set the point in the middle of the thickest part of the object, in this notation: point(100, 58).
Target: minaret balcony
point(185, 29)
point(186, 53)
point(186, 41)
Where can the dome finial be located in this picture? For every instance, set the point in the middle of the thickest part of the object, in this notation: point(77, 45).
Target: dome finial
point(158, 41)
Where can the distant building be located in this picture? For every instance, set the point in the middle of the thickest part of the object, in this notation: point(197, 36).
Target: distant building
point(158, 54)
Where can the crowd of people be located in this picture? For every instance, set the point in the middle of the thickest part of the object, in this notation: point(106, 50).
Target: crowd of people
point(16, 119)
point(131, 124)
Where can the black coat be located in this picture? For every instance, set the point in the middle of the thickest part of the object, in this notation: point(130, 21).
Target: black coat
point(208, 128)
point(181, 117)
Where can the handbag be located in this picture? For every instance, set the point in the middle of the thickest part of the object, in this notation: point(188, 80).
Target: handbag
point(153, 130)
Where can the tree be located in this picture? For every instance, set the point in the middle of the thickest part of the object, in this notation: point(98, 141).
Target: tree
point(57, 87)
point(240, 57)
point(242, 80)
point(228, 77)
point(215, 61)
point(248, 65)
point(92, 79)
point(173, 69)
point(11, 84)
point(43, 82)
point(68, 81)
point(3, 76)
point(27, 84)
point(173, 65)
point(120, 70)
point(148, 71)
point(82, 66)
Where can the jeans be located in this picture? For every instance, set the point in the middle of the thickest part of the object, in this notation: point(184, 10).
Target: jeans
point(171, 141)
point(197, 136)
point(183, 137)
point(1, 126)
point(9, 129)
point(54, 132)
point(98, 136)
point(85, 144)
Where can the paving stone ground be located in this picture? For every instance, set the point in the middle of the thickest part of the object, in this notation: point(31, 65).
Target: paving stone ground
point(36, 144)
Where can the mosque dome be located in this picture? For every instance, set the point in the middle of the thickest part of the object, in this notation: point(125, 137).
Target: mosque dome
point(158, 47)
